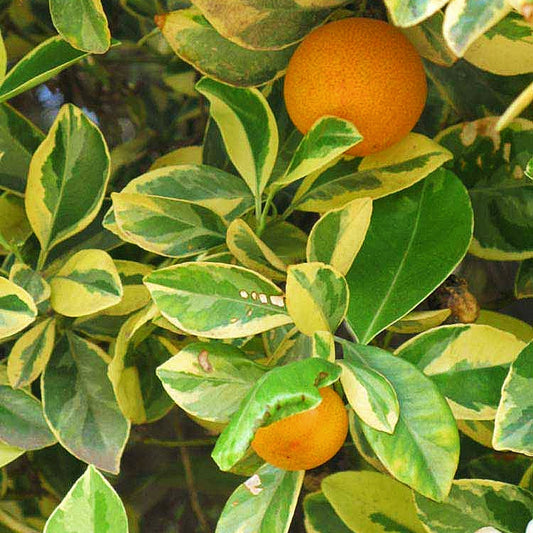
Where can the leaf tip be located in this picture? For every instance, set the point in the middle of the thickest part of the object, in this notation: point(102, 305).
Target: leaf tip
point(160, 20)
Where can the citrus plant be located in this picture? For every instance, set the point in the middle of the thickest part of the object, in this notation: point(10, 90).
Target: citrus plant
point(266, 266)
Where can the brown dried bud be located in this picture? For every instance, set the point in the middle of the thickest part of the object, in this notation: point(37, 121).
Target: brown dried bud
point(453, 294)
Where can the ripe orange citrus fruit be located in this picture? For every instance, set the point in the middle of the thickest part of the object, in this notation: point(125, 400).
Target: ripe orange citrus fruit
point(363, 70)
point(305, 440)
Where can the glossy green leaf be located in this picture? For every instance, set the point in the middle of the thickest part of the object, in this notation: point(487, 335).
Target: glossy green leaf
point(88, 282)
point(474, 504)
point(195, 41)
point(514, 424)
point(328, 138)
point(425, 432)
point(31, 353)
point(83, 24)
point(248, 128)
point(400, 229)
point(32, 282)
point(370, 394)
point(411, 12)
point(282, 392)
point(491, 165)
point(80, 406)
point(317, 297)
point(419, 321)
point(524, 280)
point(320, 517)
point(338, 236)
point(17, 308)
point(371, 502)
point(67, 178)
point(19, 138)
point(42, 63)
point(216, 300)
point(91, 505)
point(377, 175)
point(15, 228)
point(264, 503)
point(518, 328)
point(202, 370)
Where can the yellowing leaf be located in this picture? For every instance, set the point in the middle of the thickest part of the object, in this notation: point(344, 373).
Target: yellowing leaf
point(419, 321)
point(17, 308)
point(182, 156)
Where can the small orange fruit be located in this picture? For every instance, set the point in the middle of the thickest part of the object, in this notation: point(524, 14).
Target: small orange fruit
point(305, 440)
point(360, 69)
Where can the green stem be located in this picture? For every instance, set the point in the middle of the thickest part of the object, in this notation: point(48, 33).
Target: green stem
point(42, 259)
point(258, 208)
point(14, 525)
point(148, 36)
point(179, 443)
point(387, 339)
point(262, 220)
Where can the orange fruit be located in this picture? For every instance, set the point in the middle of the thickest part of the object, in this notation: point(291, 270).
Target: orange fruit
point(305, 440)
point(363, 70)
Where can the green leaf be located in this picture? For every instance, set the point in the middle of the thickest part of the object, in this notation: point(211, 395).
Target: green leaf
point(328, 138)
point(88, 282)
point(248, 128)
point(17, 308)
point(480, 431)
point(466, 20)
point(370, 394)
point(22, 424)
point(14, 226)
point(323, 344)
point(402, 225)
point(83, 24)
point(419, 321)
point(362, 444)
point(474, 504)
point(468, 363)
point(30, 354)
point(263, 25)
point(204, 369)
point(42, 63)
point(524, 280)
point(67, 178)
point(187, 155)
point(410, 12)
point(252, 252)
point(377, 175)
point(264, 503)
point(80, 406)
point(514, 424)
point(31, 281)
point(223, 193)
point(9, 453)
point(3, 59)
point(284, 391)
point(425, 432)
point(216, 300)
point(19, 138)
point(320, 517)
point(519, 329)
point(491, 165)
point(338, 236)
point(195, 41)
point(371, 502)
point(91, 505)
point(286, 240)
point(317, 297)
point(173, 228)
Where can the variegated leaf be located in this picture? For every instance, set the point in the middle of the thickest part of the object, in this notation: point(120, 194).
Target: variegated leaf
point(272, 493)
point(328, 138)
point(32, 282)
point(19, 138)
point(17, 308)
point(370, 394)
point(248, 128)
point(513, 325)
point(3, 59)
point(524, 280)
point(83, 24)
point(88, 282)
point(378, 175)
point(80, 406)
point(419, 321)
point(338, 236)
point(195, 41)
point(317, 297)
point(67, 178)
point(410, 12)
point(99, 326)
point(216, 300)
point(480, 431)
point(252, 252)
point(43, 62)
point(468, 363)
point(173, 228)
point(187, 155)
point(514, 424)
point(30, 354)
point(8, 454)
point(323, 344)
point(425, 432)
point(478, 505)
point(362, 444)
point(320, 517)
point(286, 240)
point(293, 388)
point(90, 505)
point(14, 226)
point(364, 502)
point(202, 370)
point(466, 20)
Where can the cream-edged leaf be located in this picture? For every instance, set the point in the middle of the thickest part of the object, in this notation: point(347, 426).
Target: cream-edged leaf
point(17, 308)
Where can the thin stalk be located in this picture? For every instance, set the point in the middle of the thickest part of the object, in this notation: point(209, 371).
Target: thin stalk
point(14, 525)
point(179, 443)
point(42, 259)
point(262, 220)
